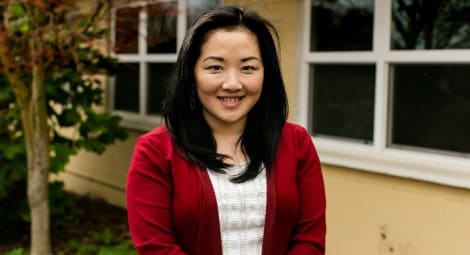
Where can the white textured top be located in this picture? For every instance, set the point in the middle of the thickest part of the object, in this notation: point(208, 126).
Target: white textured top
point(242, 210)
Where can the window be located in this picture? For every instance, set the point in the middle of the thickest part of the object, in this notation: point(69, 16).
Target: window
point(385, 86)
point(146, 37)
point(431, 106)
point(343, 101)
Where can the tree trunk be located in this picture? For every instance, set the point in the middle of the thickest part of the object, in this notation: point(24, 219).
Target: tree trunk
point(38, 169)
point(32, 103)
point(36, 132)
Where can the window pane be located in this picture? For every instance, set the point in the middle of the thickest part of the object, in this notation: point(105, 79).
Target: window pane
point(161, 28)
point(339, 25)
point(419, 24)
point(431, 106)
point(157, 86)
point(126, 88)
point(127, 27)
point(343, 101)
point(197, 7)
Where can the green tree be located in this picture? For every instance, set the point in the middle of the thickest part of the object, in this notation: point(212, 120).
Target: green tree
point(50, 90)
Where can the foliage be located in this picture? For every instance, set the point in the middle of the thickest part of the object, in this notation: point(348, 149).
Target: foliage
point(101, 243)
point(17, 251)
point(73, 69)
point(12, 166)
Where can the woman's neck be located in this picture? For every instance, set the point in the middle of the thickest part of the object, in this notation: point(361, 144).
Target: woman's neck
point(228, 143)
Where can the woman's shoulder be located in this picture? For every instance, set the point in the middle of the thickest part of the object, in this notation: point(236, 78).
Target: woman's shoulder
point(296, 135)
point(297, 139)
point(160, 132)
point(294, 129)
point(158, 137)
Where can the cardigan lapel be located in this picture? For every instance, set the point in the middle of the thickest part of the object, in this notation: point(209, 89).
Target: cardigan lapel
point(270, 215)
point(209, 239)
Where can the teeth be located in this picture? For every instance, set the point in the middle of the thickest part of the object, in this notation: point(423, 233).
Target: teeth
point(230, 99)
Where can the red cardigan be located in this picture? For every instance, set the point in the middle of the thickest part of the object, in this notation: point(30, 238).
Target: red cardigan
point(172, 207)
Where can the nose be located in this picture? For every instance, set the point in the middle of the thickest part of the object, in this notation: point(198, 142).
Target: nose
point(232, 81)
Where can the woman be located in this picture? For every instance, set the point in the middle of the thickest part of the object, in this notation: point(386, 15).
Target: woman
point(227, 174)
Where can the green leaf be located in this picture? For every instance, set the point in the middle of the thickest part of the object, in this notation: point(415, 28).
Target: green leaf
point(17, 251)
point(13, 150)
point(125, 247)
point(17, 10)
point(92, 144)
point(71, 117)
point(62, 152)
point(24, 26)
point(105, 237)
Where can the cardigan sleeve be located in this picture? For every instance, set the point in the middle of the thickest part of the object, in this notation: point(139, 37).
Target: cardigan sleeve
point(310, 229)
point(148, 201)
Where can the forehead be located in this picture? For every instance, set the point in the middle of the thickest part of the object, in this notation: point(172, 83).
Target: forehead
point(227, 30)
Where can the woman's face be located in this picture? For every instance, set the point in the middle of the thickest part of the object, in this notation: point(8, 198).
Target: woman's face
point(229, 76)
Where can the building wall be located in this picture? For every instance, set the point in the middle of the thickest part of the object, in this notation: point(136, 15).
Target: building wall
point(367, 213)
point(101, 176)
point(373, 214)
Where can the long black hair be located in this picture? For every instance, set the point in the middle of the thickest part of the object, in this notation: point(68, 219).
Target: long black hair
point(183, 115)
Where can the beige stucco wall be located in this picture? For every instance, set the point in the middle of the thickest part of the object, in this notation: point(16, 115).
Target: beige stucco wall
point(372, 214)
point(367, 214)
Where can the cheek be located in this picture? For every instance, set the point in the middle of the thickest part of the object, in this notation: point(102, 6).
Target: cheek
point(205, 93)
point(254, 85)
point(205, 84)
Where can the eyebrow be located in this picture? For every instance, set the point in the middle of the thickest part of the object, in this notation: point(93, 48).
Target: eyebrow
point(250, 58)
point(222, 59)
point(213, 58)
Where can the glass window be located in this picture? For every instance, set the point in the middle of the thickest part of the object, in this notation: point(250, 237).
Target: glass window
point(339, 25)
point(343, 101)
point(158, 76)
point(161, 28)
point(431, 106)
point(126, 87)
point(421, 24)
point(373, 106)
point(126, 30)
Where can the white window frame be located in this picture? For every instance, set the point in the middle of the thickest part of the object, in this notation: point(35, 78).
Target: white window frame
point(141, 120)
point(448, 169)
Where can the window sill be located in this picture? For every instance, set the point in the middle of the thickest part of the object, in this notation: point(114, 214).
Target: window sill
point(449, 170)
point(139, 122)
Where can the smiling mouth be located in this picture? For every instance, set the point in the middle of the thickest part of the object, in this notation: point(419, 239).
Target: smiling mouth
point(230, 100)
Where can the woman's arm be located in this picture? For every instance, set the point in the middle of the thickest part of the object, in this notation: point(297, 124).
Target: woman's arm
point(148, 198)
point(310, 229)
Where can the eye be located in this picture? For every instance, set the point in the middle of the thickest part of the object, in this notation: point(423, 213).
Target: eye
point(249, 69)
point(214, 68)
